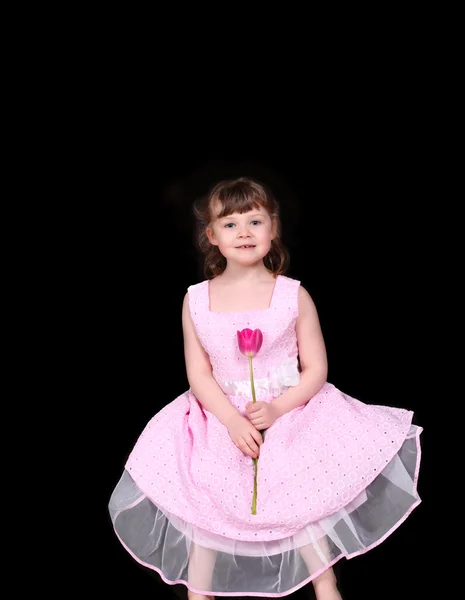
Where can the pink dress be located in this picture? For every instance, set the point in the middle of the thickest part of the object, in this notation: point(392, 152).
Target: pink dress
point(335, 476)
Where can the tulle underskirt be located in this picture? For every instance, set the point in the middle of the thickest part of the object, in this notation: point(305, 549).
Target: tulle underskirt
point(212, 564)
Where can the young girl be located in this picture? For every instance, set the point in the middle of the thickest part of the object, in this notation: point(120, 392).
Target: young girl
point(334, 476)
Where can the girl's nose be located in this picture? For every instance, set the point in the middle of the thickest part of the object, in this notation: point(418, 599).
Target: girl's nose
point(243, 231)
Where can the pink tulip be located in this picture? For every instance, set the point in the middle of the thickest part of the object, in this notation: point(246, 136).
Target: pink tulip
point(250, 341)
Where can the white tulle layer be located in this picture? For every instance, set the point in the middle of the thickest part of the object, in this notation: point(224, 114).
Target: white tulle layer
point(211, 564)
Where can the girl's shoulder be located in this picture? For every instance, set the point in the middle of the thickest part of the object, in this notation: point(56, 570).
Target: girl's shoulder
point(197, 286)
point(288, 283)
point(196, 292)
point(294, 288)
point(290, 280)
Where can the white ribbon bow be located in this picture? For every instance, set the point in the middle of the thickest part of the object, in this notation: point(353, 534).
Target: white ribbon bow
point(279, 378)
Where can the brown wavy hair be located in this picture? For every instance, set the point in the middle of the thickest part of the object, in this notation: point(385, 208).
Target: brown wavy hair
point(238, 195)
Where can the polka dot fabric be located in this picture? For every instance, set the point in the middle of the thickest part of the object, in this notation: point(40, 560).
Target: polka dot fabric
point(330, 461)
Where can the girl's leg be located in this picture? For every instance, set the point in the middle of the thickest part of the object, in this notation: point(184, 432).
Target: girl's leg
point(200, 570)
point(316, 556)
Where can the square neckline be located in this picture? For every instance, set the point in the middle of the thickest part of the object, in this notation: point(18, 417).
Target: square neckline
point(241, 312)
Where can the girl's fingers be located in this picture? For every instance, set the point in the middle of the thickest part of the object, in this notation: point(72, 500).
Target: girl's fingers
point(246, 448)
point(257, 437)
point(252, 446)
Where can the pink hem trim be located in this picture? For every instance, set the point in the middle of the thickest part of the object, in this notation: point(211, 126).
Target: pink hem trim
point(226, 594)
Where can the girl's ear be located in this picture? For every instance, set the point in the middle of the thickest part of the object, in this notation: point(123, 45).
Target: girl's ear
point(274, 228)
point(211, 236)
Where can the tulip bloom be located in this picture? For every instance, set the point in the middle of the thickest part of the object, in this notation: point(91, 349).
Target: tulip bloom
point(250, 343)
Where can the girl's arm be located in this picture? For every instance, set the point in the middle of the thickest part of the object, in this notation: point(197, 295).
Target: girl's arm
point(208, 392)
point(312, 354)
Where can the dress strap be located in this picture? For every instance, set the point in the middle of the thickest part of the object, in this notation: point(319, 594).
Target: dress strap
point(285, 297)
point(199, 302)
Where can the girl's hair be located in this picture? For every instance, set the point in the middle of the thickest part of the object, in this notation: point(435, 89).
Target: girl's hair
point(238, 195)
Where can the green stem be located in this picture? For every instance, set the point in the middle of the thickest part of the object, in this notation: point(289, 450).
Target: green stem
point(251, 379)
point(254, 498)
point(255, 460)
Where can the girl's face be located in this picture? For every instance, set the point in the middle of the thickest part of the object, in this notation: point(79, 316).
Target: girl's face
point(243, 238)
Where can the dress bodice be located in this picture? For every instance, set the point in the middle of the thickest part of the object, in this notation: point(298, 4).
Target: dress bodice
point(276, 364)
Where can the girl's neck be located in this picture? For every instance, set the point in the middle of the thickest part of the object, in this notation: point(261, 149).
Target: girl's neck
point(236, 274)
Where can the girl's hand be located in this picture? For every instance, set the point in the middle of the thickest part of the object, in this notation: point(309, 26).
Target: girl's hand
point(261, 414)
point(244, 435)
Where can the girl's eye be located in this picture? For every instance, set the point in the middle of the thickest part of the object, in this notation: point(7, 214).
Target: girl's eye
point(254, 222)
